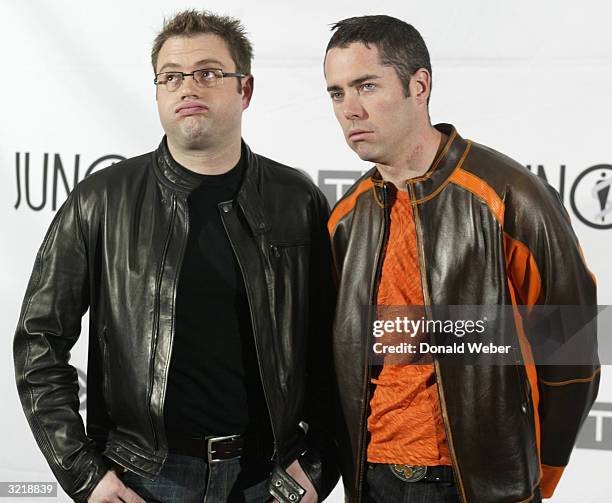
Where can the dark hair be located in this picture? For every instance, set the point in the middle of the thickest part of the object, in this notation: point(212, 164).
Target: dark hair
point(189, 23)
point(399, 44)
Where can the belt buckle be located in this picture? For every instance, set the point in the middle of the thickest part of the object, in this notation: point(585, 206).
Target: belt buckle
point(408, 473)
point(210, 441)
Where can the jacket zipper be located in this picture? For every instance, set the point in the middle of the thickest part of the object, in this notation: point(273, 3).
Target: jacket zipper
point(156, 320)
point(525, 389)
point(380, 252)
point(252, 314)
point(174, 288)
point(427, 302)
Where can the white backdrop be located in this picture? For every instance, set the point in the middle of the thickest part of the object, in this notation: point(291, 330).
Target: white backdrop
point(531, 79)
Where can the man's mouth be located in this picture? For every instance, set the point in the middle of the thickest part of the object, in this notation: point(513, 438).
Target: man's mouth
point(359, 134)
point(190, 109)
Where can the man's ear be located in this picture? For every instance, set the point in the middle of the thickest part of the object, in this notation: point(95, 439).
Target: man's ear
point(248, 85)
point(421, 85)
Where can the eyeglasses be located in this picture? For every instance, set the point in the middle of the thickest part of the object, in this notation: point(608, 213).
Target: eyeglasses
point(206, 77)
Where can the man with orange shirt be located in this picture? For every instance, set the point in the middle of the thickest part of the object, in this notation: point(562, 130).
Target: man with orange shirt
point(443, 221)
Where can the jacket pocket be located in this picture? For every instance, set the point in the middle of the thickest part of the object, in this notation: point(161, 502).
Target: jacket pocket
point(526, 402)
point(278, 248)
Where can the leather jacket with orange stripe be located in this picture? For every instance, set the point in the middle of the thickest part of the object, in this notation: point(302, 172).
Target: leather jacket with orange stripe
point(488, 233)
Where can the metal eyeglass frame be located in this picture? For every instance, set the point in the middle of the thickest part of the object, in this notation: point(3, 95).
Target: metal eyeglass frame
point(219, 76)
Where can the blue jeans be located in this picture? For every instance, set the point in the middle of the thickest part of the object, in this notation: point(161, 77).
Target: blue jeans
point(384, 487)
point(187, 479)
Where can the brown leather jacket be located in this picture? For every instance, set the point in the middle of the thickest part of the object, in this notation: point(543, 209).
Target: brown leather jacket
point(488, 233)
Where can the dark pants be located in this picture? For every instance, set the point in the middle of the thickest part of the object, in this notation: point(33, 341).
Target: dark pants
point(187, 479)
point(384, 487)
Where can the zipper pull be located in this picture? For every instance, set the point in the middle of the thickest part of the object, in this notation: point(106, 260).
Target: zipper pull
point(275, 251)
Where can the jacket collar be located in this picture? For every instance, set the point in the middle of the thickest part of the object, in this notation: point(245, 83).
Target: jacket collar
point(249, 198)
point(439, 173)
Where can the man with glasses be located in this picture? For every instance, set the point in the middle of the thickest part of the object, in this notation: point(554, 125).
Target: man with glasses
point(441, 221)
point(206, 270)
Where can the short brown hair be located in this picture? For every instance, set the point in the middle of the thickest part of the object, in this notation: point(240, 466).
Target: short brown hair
point(399, 44)
point(189, 23)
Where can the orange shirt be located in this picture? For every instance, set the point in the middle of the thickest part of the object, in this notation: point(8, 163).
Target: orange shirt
point(405, 422)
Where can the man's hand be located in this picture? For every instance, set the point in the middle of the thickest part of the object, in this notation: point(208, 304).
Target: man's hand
point(296, 472)
point(111, 490)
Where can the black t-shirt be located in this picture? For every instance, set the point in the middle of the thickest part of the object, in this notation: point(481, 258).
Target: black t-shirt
point(214, 386)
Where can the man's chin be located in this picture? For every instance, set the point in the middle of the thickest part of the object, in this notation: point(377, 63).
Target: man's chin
point(364, 153)
point(194, 134)
point(192, 130)
point(191, 140)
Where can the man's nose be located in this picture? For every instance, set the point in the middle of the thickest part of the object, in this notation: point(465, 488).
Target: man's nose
point(353, 108)
point(189, 88)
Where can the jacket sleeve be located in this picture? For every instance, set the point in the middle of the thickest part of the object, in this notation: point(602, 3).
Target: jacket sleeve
point(49, 325)
point(319, 460)
point(546, 267)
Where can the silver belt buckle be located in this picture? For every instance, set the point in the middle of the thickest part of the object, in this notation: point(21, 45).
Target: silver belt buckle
point(210, 441)
point(408, 473)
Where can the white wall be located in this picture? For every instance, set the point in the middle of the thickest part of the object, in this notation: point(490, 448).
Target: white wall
point(531, 79)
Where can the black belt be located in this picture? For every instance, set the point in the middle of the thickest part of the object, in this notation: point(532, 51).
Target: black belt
point(412, 473)
point(215, 449)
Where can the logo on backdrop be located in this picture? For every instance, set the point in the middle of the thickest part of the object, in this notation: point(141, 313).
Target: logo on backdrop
point(596, 431)
point(40, 179)
point(33, 188)
point(590, 196)
point(334, 184)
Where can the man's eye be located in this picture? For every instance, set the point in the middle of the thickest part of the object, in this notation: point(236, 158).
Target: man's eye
point(208, 74)
point(368, 86)
point(172, 77)
point(336, 96)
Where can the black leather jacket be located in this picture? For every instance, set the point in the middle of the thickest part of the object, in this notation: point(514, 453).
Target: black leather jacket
point(116, 247)
point(489, 233)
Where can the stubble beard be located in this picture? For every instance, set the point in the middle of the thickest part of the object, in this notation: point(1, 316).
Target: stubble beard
point(193, 132)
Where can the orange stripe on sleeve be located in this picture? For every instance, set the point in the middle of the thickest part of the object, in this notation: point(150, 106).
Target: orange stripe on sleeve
point(522, 270)
point(572, 381)
point(346, 205)
point(480, 189)
point(550, 478)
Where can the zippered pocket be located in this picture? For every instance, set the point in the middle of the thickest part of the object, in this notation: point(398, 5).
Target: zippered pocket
point(525, 390)
point(276, 247)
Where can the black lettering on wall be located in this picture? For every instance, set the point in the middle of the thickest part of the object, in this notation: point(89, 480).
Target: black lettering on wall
point(541, 172)
point(58, 170)
point(18, 177)
point(44, 183)
point(60, 177)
